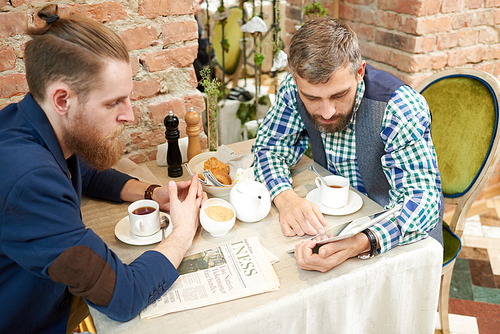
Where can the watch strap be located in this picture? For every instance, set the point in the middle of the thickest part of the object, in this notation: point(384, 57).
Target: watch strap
point(373, 245)
point(148, 194)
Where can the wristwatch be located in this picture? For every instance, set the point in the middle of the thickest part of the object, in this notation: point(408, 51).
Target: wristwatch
point(373, 245)
point(148, 194)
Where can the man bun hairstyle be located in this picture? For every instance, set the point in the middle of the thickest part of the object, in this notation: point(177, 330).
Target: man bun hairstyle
point(320, 47)
point(72, 49)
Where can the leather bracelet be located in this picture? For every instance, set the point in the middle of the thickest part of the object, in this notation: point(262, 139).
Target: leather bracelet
point(148, 194)
point(373, 245)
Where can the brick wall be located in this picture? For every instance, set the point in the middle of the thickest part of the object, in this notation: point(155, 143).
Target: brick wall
point(415, 38)
point(162, 38)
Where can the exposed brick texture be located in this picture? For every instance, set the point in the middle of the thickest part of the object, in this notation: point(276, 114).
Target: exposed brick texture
point(409, 38)
point(411, 7)
point(162, 38)
point(140, 37)
point(107, 11)
point(448, 6)
point(196, 101)
point(137, 116)
point(7, 58)
point(164, 59)
point(158, 110)
point(416, 38)
point(474, 4)
point(154, 8)
point(17, 3)
point(179, 31)
point(145, 88)
point(12, 24)
point(13, 85)
point(491, 3)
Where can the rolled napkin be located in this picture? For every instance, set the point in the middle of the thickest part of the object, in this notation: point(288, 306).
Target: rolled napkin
point(235, 161)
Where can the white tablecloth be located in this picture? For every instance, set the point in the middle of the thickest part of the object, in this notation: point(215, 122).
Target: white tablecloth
point(396, 292)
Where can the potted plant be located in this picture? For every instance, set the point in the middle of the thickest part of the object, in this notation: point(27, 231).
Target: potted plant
point(212, 91)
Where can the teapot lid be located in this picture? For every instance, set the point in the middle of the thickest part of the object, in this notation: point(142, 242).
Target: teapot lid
point(249, 186)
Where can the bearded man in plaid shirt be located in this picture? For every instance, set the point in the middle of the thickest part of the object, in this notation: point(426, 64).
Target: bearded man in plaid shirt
point(332, 99)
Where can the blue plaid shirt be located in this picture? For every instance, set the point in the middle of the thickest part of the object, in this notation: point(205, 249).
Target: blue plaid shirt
point(410, 162)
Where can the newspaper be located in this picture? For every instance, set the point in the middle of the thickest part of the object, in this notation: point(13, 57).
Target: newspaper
point(235, 270)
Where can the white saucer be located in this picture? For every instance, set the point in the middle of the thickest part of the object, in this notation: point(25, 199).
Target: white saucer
point(122, 232)
point(355, 203)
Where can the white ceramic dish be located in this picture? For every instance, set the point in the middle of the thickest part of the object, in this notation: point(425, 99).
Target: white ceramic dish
point(122, 232)
point(355, 203)
point(196, 164)
point(216, 228)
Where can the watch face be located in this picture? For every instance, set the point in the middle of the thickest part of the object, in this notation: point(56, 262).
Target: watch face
point(148, 194)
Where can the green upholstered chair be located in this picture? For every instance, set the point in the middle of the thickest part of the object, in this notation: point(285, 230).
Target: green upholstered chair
point(465, 132)
point(233, 58)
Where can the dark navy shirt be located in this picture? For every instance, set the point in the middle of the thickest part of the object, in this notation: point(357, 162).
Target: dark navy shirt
point(46, 253)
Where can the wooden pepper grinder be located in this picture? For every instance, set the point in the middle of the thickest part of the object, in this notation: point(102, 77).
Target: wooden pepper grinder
point(192, 119)
point(174, 157)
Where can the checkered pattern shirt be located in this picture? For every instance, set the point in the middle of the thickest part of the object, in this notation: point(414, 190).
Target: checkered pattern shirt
point(410, 162)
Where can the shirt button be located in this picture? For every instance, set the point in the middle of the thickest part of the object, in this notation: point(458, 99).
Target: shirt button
point(65, 304)
point(160, 289)
point(155, 293)
point(165, 286)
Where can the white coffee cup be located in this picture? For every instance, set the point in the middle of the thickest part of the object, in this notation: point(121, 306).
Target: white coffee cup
point(334, 194)
point(144, 222)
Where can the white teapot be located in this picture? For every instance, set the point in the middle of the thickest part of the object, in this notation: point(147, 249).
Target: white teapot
point(251, 200)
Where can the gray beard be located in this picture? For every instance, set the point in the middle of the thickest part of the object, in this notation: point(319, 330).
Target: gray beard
point(331, 128)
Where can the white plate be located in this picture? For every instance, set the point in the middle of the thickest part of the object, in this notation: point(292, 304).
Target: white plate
point(122, 232)
point(355, 203)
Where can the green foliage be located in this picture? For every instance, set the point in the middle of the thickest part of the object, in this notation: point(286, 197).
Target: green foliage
point(225, 45)
point(213, 92)
point(211, 86)
point(278, 43)
point(246, 112)
point(221, 8)
point(315, 9)
point(258, 58)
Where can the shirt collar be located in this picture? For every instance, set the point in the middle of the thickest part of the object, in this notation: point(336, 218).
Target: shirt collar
point(357, 102)
point(39, 121)
point(359, 95)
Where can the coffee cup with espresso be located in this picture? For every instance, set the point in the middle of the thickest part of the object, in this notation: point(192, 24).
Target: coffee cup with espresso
point(144, 217)
point(335, 193)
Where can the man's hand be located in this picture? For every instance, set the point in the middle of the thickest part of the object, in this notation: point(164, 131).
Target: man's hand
point(161, 195)
point(298, 216)
point(330, 255)
point(184, 204)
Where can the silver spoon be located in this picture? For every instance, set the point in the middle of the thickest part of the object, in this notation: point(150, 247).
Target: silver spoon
point(316, 172)
point(164, 222)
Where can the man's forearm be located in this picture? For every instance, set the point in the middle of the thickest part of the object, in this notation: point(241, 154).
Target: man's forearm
point(134, 190)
